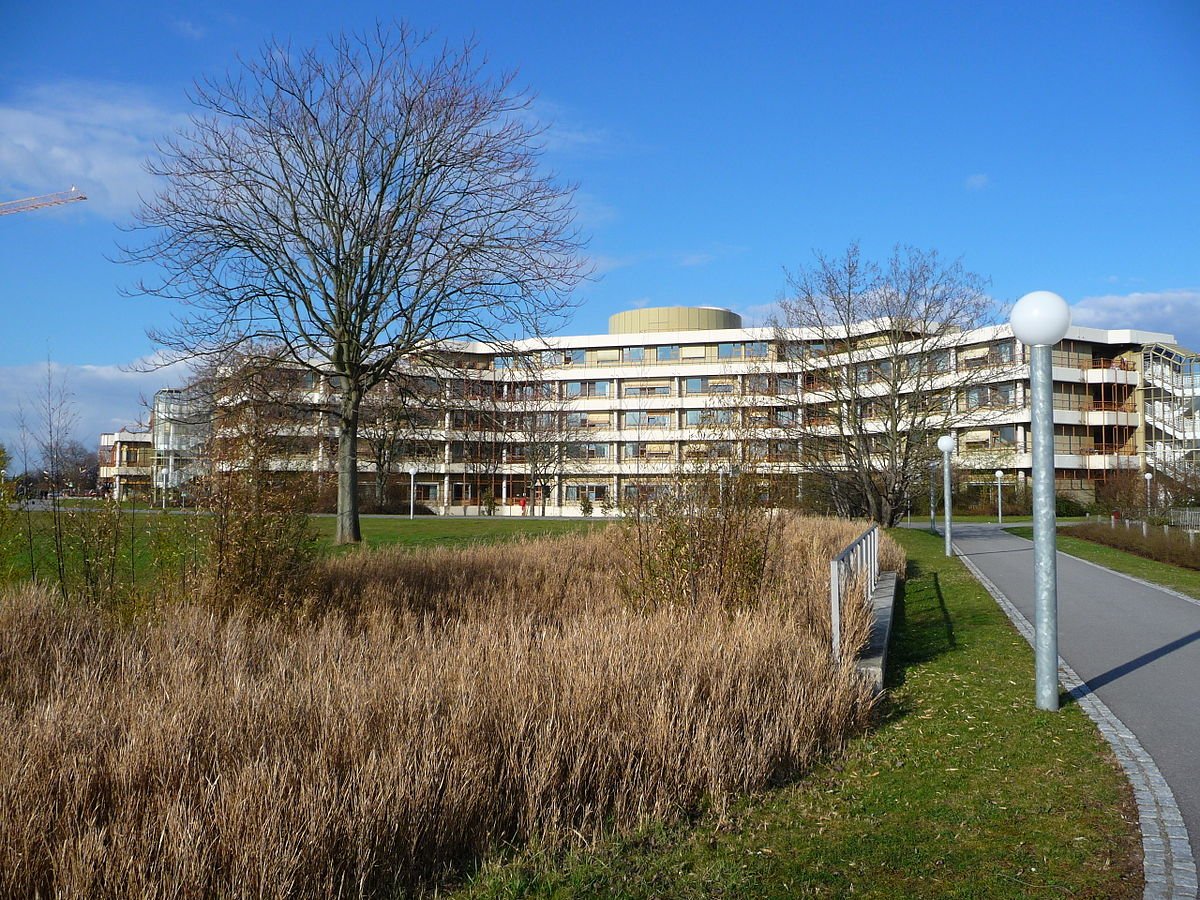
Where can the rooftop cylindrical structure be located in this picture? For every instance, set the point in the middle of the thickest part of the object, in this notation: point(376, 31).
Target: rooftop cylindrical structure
point(673, 318)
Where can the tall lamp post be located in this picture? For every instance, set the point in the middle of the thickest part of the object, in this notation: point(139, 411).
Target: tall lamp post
point(1040, 320)
point(1149, 476)
point(999, 498)
point(412, 490)
point(946, 444)
point(932, 498)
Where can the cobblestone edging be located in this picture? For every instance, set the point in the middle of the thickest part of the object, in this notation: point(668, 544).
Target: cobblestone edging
point(1169, 867)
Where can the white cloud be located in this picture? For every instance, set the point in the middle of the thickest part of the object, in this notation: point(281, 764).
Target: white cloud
point(602, 264)
point(95, 136)
point(563, 133)
point(101, 397)
point(1175, 312)
point(691, 260)
point(977, 182)
point(188, 29)
point(758, 315)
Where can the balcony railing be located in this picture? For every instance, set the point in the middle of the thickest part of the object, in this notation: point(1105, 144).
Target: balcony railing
point(1118, 364)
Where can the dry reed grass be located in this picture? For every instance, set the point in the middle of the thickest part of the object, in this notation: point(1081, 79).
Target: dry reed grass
point(459, 701)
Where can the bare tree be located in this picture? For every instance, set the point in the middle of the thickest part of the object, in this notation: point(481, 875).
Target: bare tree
point(477, 429)
point(873, 368)
point(537, 422)
point(360, 207)
point(398, 421)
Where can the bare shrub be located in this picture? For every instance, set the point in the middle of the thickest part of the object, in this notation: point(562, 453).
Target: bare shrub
point(703, 542)
point(260, 548)
point(464, 699)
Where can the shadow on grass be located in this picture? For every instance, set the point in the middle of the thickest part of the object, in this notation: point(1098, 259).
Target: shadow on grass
point(922, 630)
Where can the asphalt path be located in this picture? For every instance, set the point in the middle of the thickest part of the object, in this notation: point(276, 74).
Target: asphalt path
point(1136, 646)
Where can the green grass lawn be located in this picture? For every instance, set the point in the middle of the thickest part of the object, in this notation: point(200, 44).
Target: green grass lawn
point(1186, 581)
point(427, 531)
point(377, 531)
point(964, 789)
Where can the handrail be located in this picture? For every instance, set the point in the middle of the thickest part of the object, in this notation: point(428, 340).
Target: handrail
point(860, 556)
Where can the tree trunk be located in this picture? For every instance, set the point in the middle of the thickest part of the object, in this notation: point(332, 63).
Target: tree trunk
point(380, 489)
point(347, 498)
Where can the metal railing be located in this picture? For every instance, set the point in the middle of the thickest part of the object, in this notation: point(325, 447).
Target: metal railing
point(1187, 518)
point(860, 557)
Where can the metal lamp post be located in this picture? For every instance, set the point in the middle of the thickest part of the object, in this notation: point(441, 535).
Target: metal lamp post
point(946, 444)
point(999, 498)
point(1040, 320)
point(1149, 476)
point(932, 498)
point(412, 490)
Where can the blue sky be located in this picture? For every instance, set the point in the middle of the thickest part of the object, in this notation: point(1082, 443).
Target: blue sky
point(1049, 145)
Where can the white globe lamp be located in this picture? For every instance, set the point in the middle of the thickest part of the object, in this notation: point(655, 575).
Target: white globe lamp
point(1040, 318)
point(946, 443)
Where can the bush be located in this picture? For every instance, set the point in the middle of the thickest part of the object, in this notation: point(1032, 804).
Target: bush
point(261, 548)
point(585, 505)
point(1068, 508)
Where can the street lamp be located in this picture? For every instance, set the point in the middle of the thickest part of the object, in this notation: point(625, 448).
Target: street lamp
point(412, 490)
point(1149, 476)
point(946, 444)
point(999, 499)
point(932, 499)
point(1040, 320)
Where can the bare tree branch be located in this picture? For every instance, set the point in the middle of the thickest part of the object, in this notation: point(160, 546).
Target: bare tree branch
point(357, 207)
point(874, 355)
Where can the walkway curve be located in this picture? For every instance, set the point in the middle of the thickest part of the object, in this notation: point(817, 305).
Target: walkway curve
point(1170, 868)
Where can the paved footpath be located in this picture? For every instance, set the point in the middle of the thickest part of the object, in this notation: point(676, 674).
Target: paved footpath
point(1136, 648)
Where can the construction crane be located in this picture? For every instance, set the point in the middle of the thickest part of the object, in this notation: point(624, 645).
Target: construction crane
point(31, 203)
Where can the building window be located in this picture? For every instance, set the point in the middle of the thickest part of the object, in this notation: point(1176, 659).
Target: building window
point(645, 419)
point(756, 350)
point(708, 386)
point(758, 384)
point(634, 354)
point(587, 451)
point(643, 389)
point(643, 450)
point(667, 353)
point(729, 351)
point(696, 417)
point(594, 492)
point(586, 389)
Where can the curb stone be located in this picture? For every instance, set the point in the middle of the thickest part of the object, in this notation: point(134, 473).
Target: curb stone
point(873, 660)
point(1170, 870)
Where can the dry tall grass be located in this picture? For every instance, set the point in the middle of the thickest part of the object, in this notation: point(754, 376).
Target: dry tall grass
point(433, 706)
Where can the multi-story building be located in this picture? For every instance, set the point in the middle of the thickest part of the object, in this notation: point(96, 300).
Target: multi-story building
point(609, 416)
point(179, 427)
point(126, 461)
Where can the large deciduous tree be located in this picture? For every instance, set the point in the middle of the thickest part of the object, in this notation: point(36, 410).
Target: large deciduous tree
point(874, 350)
point(357, 205)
